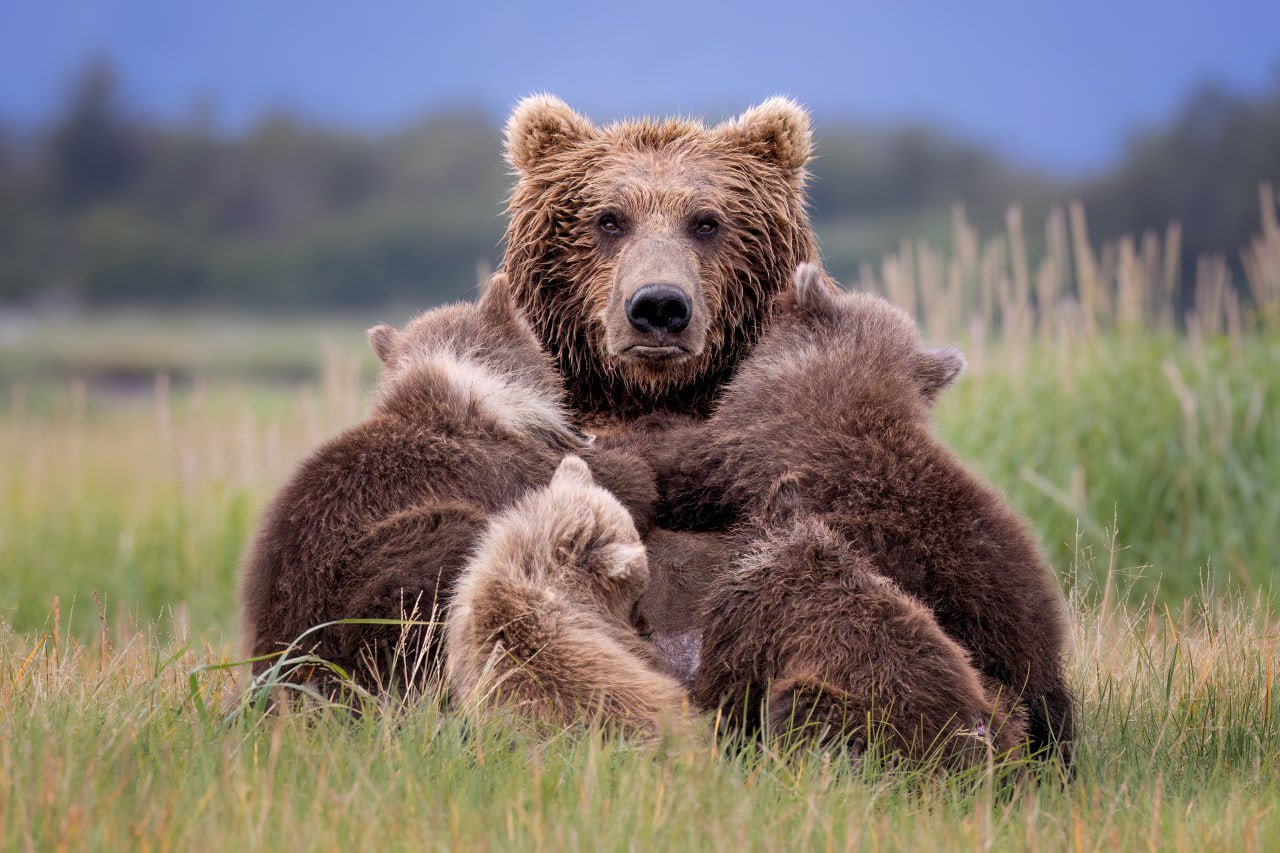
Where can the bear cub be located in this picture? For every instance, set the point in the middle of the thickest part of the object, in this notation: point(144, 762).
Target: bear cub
point(543, 619)
point(378, 522)
point(838, 653)
point(837, 399)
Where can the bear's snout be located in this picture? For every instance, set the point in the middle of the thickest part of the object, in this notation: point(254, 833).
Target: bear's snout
point(659, 308)
point(657, 315)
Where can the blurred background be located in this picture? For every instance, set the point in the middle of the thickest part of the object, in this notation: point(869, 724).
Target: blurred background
point(203, 206)
point(307, 157)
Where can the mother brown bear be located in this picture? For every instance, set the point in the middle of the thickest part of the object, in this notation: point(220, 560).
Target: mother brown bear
point(646, 255)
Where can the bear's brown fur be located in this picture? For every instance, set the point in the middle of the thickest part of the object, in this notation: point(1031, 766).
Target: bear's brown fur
point(682, 563)
point(599, 212)
point(542, 619)
point(681, 568)
point(378, 521)
point(838, 395)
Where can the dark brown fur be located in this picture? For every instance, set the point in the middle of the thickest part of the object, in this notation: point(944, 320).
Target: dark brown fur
point(838, 396)
point(659, 179)
point(682, 563)
point(682, 566)
point(378, 521)
point(804, 630)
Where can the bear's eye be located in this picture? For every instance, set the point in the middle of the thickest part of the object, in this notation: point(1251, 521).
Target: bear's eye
point(609, 224)
point(705, 226)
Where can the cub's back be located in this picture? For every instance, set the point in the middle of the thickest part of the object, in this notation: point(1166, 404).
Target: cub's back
point(294, 573)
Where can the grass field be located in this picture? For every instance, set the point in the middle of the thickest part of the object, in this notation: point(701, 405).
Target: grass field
point(135, 453)
point(102, 745)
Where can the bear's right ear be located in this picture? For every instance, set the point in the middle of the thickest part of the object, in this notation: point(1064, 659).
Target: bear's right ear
point(936, 369)
point(776, 131)
point(383, 340)
point(573, 471)
point(541, 125)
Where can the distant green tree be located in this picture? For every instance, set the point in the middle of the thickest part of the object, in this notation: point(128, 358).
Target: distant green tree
point(1202, 170)
point(94, 150)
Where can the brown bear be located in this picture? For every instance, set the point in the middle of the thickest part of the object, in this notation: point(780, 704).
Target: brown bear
point(378, 521)
point(542, 619)
point(838, 397)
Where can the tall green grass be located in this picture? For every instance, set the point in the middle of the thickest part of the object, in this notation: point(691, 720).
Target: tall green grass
point(1176, 446)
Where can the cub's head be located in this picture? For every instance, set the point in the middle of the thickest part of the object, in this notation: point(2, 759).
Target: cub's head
point(474, 357)
point(645, 253)
point(873, 345)
point(595, 541)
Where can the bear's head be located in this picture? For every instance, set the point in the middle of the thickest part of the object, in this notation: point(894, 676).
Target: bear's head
point(474, 358)
point(867, 348)
point(646, 253)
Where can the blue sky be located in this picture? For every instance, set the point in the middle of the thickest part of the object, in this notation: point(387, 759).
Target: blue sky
point(1059, 86)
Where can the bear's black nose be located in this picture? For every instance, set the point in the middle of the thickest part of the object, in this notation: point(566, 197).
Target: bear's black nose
point(659, 308)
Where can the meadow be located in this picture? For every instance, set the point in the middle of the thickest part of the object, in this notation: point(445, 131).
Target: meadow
point(1141, 439)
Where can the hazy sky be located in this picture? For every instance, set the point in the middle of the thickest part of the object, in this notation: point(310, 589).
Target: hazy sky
point(1059, 85)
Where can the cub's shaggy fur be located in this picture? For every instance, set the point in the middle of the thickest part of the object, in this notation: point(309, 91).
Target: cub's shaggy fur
point(804, 629)
point(542, 620)
point(378, 521)
point(838, 396)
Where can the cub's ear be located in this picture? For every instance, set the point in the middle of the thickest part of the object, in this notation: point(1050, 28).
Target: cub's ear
point(539, 126)
point(620, 561)
point(383, 340)
point(812, 291)
point(573, 471)
point(777, 131)
point(495, 297)
point(783, 504)
point(936, 369)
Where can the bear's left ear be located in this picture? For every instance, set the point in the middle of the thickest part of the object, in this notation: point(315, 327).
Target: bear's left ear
point(776, 131)
point(542, 125)
point(936, 369)
point(783, 504)
point(572, 471)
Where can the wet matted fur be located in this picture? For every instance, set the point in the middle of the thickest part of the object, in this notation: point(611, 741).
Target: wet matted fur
point(598, 211)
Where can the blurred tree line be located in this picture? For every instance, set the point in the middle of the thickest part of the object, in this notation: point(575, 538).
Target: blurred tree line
point(108, 207)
